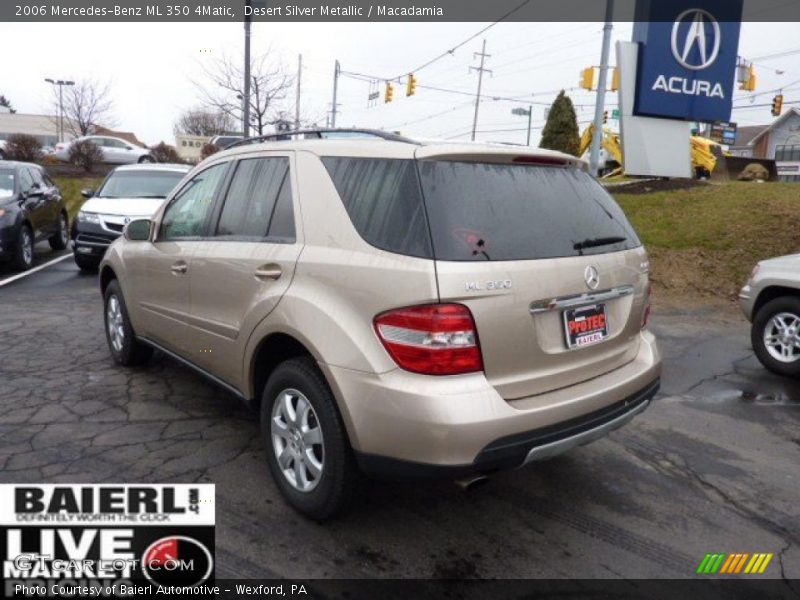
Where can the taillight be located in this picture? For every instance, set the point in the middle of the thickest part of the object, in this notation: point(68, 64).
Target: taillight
point(646, 314)
point(433, 339)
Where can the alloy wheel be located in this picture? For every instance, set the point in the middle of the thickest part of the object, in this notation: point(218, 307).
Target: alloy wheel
point(115, 324)
point(782, 337)
point(27, 246)
point(297, 440)
point(63, 229)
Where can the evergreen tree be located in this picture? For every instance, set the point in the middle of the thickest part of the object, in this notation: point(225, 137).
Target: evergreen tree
point(5, 103)
point(561, 130)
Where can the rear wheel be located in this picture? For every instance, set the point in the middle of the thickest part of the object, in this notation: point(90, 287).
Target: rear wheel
point(125, 348)
point(307, 446)
point(776, 336)
point(60, 239)
point(23, 252)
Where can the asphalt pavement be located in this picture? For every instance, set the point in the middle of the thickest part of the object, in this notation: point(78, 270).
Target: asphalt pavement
point(711, 466)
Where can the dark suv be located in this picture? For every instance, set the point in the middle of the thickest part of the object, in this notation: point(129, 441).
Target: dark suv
point(31, 210)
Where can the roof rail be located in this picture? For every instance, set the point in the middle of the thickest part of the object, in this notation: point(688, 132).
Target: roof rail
point(322, 134)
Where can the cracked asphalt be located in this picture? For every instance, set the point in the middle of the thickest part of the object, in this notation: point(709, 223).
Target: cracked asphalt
point(711, 466)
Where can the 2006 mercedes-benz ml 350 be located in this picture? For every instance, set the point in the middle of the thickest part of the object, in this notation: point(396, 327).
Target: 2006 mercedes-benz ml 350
point(394, 308)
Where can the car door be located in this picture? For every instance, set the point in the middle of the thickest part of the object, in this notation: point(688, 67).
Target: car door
point(241, 272)
point(49, 222)
point(34, 204)
point(160, 270)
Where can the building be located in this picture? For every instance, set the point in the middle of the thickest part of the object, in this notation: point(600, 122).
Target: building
point(43, 127)
point(779, 141)
point(744, 135)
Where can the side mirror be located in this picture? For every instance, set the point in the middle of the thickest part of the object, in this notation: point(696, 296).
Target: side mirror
point(87, 193)
point(138, 230)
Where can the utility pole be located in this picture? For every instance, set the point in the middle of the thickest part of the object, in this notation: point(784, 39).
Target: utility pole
point(336, 70)
point(480, 71)
point(60, 120)
point(297, 100)
point(530, 122)
point(246, 95)
point(599, 107)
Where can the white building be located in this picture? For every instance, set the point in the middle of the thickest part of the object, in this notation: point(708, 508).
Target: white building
point(42, 127)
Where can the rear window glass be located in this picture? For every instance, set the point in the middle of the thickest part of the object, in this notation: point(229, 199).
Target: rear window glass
point(383, 199)
point(480, 212)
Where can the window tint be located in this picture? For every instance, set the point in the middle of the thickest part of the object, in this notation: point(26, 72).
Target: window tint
point(383, 200)
point(514, 212)
point(282, 225)
point(251, 198)
point(6, 183)
point(187, 214)
point(36, 175)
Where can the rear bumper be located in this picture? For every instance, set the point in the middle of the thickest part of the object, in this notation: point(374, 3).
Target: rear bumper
point(400, 423)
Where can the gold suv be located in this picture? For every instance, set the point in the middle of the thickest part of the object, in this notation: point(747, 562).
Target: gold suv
point(393, 307)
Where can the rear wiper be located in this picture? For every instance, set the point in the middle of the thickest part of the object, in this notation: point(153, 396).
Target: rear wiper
point(597, 242)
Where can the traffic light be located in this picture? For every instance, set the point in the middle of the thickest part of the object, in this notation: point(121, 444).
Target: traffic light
point(615, 79)
point(411, 85)
point(777, 105)
point(749, 83)
point(387, 97)
point(605, 117)
point(587, 78)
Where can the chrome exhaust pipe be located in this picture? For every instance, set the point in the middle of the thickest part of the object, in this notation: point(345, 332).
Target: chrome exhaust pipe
point(471, 482)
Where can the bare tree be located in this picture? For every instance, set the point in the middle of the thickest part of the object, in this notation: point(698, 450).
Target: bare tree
point(198, 121)
point(86, 104)
point(269, 85)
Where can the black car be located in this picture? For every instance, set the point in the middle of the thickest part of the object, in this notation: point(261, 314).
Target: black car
point(31, 210)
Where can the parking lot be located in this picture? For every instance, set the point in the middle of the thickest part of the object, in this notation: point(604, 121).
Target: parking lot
point(711, 466)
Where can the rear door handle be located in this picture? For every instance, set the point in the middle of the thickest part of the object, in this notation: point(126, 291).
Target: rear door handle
point(179, 268)
point(269, 272)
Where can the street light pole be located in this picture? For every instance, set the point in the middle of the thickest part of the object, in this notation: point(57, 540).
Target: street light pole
point(246, 94)
point(594, 156)
point(530, 118)
point(60, 120)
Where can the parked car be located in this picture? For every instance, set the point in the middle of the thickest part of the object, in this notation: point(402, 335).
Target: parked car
point(115, 150)
point(771, 302)
point(223, 141)
point(128, 192)
point(31, 210)
point(3, 151)
point(395, 308)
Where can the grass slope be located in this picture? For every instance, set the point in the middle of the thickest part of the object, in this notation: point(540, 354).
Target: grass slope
point(71, 191)
point(706, 240)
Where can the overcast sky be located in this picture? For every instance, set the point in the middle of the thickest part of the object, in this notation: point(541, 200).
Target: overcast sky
point(152, 66)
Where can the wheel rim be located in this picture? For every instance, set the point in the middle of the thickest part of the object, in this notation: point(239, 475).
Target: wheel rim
point(297, 440)
point(27, 247)
point(114, 324)
point(64, 229)
point(782, 337)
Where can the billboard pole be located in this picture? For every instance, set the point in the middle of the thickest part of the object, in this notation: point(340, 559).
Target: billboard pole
point(594, 156)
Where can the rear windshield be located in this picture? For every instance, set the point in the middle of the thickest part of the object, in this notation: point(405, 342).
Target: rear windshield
point(140, 184)
point(6, 183)
point(478, 211)
point(481, 211)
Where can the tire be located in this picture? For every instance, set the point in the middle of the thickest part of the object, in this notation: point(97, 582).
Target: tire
point(125, 349)
point(23, 251)
point(60, 240)
point(330, 491)
point(780, 358)
point(146, 159)
point(86, 264)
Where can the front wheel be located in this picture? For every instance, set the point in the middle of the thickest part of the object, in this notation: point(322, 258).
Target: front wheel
point(307, 446)
point(23, 251)
point(776, 336)
point(125, 349)
point(86, 264)
point(60, 239)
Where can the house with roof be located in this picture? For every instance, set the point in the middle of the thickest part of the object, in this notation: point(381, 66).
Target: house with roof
point(779, 141)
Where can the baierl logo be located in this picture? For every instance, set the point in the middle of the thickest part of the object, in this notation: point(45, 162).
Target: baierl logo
point(696, 37)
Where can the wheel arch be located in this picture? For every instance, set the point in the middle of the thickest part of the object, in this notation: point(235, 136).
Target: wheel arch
point(772, 292)
point(107, 275)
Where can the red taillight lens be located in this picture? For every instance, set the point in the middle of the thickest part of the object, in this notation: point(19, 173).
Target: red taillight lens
point(646, 314)
point(434, 339)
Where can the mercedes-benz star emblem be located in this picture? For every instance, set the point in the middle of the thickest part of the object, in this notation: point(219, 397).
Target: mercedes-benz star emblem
point(592, 278)
point(695, 37)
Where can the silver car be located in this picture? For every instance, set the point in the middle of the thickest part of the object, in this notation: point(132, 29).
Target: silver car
point(116, 151)
point(771, 302)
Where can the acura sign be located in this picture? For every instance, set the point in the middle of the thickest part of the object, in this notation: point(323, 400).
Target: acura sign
point(687, 58)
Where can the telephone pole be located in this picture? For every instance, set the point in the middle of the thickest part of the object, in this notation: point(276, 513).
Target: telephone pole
point(599, 107)
point(480, 71)
point(297, 100)
point(336, 69)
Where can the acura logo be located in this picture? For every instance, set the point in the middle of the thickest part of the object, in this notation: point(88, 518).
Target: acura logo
point(591, 277)
point(695, 37)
